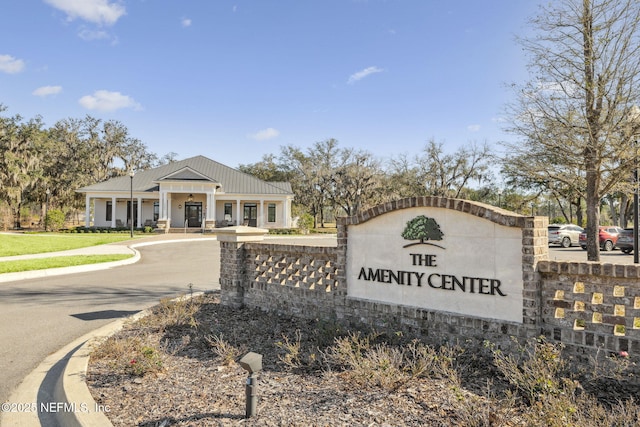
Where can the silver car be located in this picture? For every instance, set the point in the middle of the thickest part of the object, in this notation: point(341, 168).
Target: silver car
point(565, 235)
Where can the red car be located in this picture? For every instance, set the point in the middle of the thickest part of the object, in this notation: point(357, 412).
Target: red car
point(608, 237)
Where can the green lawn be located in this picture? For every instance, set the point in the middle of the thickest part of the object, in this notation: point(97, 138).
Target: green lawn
point(23, 244)
point(55, 262)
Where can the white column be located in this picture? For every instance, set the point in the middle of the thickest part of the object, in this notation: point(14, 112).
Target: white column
point(211, 205)
point(139, 212)
point(169, 208)
point(287, 210)
point(161, 206)
point(260, 220)
point(113, 212)
point(238, 212)
point(87, 211)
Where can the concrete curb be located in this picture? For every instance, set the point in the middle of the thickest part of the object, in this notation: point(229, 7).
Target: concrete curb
point(72, 401)
point(73, 388)
point(27, 392)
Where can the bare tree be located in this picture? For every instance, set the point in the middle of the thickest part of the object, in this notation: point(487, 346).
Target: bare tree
point(438, 173)
point(578, 106)
point(357, 182)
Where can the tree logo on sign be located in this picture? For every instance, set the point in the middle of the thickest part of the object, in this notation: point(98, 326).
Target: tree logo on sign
point(422, 228)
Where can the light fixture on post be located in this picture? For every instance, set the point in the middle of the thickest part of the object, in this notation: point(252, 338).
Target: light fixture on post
point(46, 208)
point(131, 174)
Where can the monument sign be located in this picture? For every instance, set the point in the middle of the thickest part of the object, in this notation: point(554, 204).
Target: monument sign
point(438, 259)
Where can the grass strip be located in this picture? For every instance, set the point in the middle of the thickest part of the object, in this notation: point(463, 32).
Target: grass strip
point(57, 262)
point(23, 244)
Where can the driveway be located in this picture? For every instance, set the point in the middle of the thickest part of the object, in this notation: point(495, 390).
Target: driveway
point(40, 316)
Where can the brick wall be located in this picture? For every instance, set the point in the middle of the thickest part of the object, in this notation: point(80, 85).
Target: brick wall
point(590, 307)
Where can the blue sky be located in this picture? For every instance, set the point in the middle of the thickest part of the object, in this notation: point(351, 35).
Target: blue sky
point(236, 79)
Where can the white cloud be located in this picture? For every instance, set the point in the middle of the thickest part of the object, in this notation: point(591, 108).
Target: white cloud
point(100, 12)
point(11, 65)
point(186, 22)
point(47, 90)
point(473, 128)
point(264, 134)
point(103, 100)
point(87, 34)
point(363, 73)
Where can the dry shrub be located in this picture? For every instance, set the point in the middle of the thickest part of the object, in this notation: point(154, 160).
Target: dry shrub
point(223, 349)
point(294, 354)
point(133, 355)
point(551, 396)
point(390, 366)
point(177, 312)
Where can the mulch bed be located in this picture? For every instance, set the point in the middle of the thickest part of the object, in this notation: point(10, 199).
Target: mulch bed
point(195, 387)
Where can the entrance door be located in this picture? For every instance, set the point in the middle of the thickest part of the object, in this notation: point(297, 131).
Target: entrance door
point(193, 214)
point(251, 214)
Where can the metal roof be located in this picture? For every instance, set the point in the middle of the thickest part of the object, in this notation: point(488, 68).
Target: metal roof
point(231, 181)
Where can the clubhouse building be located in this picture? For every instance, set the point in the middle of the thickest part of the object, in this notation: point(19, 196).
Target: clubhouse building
point(188, 194)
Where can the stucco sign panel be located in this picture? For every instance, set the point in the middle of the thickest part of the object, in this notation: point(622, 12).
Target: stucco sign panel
point(438, 259)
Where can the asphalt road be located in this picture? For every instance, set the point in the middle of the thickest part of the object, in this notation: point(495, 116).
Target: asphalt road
point(40, 316)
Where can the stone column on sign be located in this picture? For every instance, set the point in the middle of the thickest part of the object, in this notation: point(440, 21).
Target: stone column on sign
point(233, 281)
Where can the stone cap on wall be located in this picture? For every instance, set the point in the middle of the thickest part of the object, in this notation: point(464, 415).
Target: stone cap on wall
point(240, 233)
point(489, 212)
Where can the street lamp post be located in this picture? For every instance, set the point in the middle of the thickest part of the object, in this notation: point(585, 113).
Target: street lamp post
point(499, 197)
point(46, 208)
point(131, 174)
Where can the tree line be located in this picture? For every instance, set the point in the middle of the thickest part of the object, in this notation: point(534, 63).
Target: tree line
point(327, 179)
point(346, 180)
point(39, 163)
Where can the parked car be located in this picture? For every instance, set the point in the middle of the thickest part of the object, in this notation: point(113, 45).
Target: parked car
point(625, 241)
point(608, 236)
point(565, 235)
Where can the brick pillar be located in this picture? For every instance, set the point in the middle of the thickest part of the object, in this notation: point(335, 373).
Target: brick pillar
point(232, 263)
point(535, 248)
point(231, 274)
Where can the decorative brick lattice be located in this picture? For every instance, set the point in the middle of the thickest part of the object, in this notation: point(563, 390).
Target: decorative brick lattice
point(302, 267)
point(296, 271)
point(587, 306)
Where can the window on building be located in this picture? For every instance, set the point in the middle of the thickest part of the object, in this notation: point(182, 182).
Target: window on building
point(156, 211)
point(271, 215)
point(109, 211)
point(227, 211)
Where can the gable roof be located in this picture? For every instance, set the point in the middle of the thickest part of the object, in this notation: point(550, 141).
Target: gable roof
point(198, 168)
